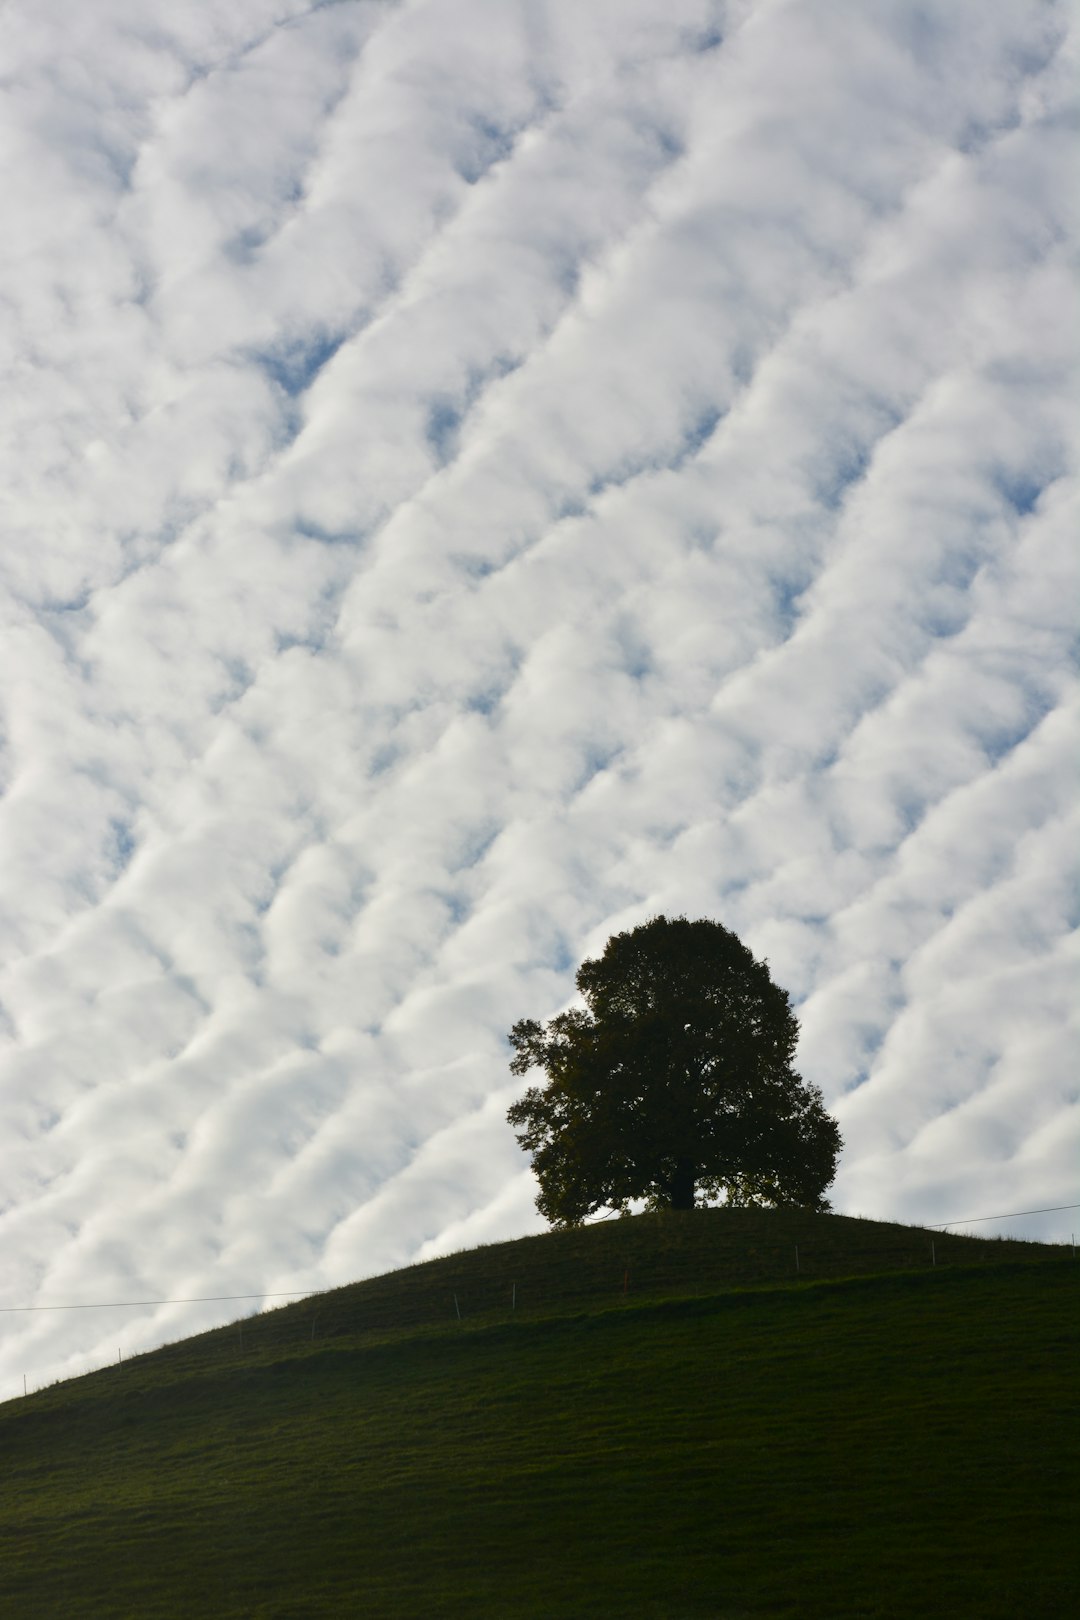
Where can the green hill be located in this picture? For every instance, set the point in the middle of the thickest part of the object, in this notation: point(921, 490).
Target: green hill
point(658, 1418)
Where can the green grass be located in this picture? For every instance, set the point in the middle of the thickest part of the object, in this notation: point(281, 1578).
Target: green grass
point(720, 1440)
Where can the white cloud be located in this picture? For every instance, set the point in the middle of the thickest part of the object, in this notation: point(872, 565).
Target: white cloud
point(474, 475)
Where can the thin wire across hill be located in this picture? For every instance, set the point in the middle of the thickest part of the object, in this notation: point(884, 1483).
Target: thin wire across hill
point(647, 1256)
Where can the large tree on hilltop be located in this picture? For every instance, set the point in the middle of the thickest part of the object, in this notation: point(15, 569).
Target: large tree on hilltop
point(672, 1084)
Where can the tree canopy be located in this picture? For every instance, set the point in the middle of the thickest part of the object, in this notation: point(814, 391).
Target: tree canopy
point(673, 1083)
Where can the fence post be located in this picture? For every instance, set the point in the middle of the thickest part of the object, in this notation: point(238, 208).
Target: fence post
point(798, 1268)
point(513, 1296)
point(457, 1308)
point(933, 1253)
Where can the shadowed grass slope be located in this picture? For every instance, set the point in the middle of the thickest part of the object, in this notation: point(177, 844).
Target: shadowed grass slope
point(648, 1257)
point(729, 1439)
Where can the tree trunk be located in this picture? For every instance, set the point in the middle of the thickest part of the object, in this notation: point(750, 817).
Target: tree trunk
point(681, 1185)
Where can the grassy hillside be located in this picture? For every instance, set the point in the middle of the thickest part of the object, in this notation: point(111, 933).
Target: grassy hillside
point(723, 1438)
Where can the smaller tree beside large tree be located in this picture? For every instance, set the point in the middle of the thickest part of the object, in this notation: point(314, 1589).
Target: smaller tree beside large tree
point(673, 1084)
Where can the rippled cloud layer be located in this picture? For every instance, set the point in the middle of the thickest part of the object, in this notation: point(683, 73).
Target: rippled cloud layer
point(475, 474)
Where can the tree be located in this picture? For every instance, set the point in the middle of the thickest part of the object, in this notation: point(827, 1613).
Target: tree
point(674, 1081)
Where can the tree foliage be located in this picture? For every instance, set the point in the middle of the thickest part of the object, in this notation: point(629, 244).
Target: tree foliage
point(672, 1084)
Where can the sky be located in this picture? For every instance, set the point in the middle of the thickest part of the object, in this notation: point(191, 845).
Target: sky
point(475, 475)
